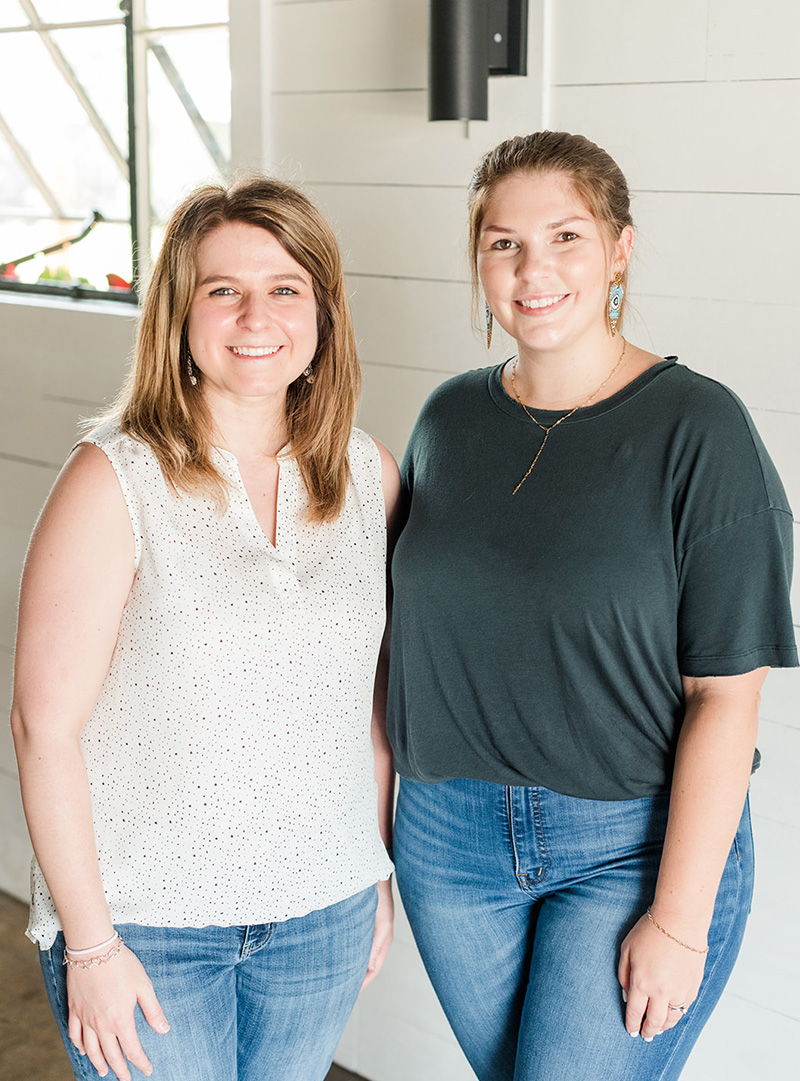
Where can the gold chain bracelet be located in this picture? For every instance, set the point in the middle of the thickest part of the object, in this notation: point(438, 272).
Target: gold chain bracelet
point(685, 945)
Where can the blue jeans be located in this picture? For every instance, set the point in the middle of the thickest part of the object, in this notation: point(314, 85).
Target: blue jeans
point(266, 1002)
point(519, 899)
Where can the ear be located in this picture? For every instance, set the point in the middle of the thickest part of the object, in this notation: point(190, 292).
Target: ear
point(622, 250)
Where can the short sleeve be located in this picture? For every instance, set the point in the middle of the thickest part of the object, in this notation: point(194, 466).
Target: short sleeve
point(734, 607)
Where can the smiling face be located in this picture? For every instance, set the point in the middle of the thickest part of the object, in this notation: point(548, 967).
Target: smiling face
point(545, 263)
point(252, 325)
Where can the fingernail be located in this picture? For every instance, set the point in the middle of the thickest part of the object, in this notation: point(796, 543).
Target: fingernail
point(624, 995)
point(633, 1034)
point(163, 1026)
point(647, 1039)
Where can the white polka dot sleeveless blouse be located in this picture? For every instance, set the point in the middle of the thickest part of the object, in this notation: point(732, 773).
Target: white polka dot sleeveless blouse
point(229, 752)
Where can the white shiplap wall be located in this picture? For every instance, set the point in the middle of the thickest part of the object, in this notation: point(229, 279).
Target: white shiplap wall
point(699, 101)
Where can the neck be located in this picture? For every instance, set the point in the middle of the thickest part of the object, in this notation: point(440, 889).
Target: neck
point(249, 428)
point(558, 381)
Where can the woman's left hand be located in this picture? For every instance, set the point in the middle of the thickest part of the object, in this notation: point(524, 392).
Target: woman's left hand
point(655, 974)
point(382, 938)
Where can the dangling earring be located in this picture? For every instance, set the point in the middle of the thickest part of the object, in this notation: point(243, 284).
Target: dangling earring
point(616, 292)
point(489, 326)
point(190, 369)
point(309, 374)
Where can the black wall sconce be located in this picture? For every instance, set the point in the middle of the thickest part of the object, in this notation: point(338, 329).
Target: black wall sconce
point(469, 41)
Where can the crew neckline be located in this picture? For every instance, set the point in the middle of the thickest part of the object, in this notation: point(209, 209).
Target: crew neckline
point(509, 405)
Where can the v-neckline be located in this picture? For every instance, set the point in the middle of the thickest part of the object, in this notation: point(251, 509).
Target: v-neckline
point(232, 460)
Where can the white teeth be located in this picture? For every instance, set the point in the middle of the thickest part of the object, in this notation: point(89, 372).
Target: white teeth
point(255, 351)
point(542, 302)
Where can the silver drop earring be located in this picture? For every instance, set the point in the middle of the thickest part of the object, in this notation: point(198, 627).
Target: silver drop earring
point(309, 374)
point(190, 369)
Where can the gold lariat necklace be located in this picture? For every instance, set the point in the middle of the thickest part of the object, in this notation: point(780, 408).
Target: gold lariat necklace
point(548, 428)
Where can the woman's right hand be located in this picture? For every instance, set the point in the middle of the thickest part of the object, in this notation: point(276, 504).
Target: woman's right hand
point(102, 1001)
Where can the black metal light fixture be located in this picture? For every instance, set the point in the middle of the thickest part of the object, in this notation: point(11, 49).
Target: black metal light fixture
point(470, 40)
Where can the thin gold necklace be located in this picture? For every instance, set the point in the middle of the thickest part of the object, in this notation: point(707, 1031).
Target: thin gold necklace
point(548, 429)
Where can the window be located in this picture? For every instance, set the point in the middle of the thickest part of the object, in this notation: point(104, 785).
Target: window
point(83, 187)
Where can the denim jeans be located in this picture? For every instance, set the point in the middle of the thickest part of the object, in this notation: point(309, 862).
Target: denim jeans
point(519, 899)
point(265, 1002)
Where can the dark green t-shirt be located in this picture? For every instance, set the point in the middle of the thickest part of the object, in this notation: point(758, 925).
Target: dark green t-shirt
point(540, 638)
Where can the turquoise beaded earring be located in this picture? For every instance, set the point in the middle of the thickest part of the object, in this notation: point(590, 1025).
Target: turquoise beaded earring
point(616, 292)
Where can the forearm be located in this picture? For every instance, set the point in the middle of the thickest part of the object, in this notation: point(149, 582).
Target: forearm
point(57, 803)
point(710, 779)
point(662, 972)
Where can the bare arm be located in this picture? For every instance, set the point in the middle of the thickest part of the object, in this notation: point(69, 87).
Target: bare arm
point(384, 765)
point(77, 576)
point(709, 786)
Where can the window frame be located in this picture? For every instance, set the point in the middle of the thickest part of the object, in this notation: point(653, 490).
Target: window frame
point(138, 35)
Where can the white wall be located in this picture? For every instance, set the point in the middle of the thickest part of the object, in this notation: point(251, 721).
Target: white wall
point(699, 101)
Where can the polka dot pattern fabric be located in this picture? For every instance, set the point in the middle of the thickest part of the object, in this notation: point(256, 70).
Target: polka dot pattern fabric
point(229, 752)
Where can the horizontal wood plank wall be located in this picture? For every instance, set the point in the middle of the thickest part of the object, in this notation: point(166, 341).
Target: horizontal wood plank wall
point(699, 101)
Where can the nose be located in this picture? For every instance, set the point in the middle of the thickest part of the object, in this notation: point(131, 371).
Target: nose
point(534, 262)
point(254, 312)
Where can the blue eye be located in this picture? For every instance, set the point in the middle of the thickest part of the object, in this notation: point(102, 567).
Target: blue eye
point(223, 291)
point(284, 290)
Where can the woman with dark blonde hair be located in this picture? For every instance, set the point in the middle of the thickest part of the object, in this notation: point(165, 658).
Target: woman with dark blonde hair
point(197, 716)
point(592, 583)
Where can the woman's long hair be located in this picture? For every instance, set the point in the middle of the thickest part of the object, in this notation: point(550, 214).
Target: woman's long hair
point(158, 404)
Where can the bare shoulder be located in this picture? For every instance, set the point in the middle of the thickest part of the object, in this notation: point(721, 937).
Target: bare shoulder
point(85, 512)
point(390, 474)
point(390, 480)
point(87, 474)
point(388, 462)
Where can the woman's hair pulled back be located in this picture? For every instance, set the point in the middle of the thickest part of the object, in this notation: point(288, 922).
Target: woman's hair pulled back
point(159, 405)
point(597, 178)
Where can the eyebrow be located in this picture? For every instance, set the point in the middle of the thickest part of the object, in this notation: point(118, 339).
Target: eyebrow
point(288, 277)
point(550, 225)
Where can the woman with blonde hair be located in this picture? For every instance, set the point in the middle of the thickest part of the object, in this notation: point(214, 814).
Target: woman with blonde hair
point(592, 583)
point(196, 711)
